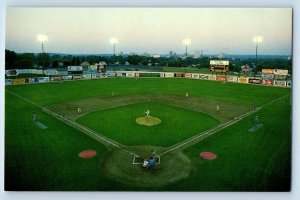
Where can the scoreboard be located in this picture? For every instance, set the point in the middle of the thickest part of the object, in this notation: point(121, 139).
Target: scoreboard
point(219, 66)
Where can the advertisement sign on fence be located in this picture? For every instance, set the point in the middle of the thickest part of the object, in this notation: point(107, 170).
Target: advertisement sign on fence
point(87, 76)
point(195, 76)
point(18, 81)
point(212, 77)
point(44, 79)
point(279, 83)
point(203, 76)
point(179, 74)
point(56, 78)
point(221, 78)
point(232, 78)
point(130, 74)
point(69, 77)
point(168, 74)
point(33, 80)
point(76, 77)
point(243, 80)
point(188, 75)
point(267, 82)
point(254, 80)
point(8, 82)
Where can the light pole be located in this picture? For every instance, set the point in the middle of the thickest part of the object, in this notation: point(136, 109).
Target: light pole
point(42, 39)
point(114, 41)
point(257, 40)
point(186, 42)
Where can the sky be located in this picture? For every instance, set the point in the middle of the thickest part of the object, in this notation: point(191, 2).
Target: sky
point(150, 30)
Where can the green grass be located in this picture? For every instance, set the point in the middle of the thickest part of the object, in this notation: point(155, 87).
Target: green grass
point(258, 161)
point(119, 124)
point(37, 159)
point(56, 92)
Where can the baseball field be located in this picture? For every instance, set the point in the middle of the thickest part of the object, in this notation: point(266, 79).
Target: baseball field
point(93, 135)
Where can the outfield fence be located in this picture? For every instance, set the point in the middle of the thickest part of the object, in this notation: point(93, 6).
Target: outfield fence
point(53, 75)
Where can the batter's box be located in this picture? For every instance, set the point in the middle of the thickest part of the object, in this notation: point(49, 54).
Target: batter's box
point(139, 161)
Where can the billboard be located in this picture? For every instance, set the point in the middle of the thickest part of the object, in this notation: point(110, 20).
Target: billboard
point(12, 72)
point(232, 78)
point(219, 62)
point(195, 76)
point(75, 70)
point(279, 83)
point(281, 72)
point(243, 80)
point(51, 72)
point(18, 81)
point(56, 78)
point(212, 77)
point(87, 76)
point(203, 76)
point(221, 78)
point(130, 74)
point(33, 80)
point(254, 80)
point(92, 69)
point(67, 77)
point(168, 74)
point(8, 82)
point(179, 74)
point(267, 82)
point(76, 77)
point(188, 75)
point(267, 71)
point(44, 79)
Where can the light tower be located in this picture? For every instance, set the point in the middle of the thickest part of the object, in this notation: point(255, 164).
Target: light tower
point(114, 41)
point(186, 42)
point(42, 39)
point(257, 40)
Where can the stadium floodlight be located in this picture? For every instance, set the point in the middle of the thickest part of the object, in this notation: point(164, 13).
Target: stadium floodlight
point(114, 41)
point(186, 42)
point(257, 40)
point(42, 39)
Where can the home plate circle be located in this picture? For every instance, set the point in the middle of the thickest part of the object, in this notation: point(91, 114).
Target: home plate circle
point(87, 154)
point(208, 155)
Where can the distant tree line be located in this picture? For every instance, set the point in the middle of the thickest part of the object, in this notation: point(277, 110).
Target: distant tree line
point(14, 60)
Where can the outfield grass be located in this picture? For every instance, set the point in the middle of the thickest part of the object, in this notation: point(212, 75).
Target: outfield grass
point(37, 159)
point(177, 124)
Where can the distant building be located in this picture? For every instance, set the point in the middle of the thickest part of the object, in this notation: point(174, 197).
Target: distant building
point(221, 55)
point(197, 54)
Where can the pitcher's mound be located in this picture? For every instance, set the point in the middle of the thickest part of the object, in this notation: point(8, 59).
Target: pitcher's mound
point(148, 121)
point(87, 154)
point(208, 155)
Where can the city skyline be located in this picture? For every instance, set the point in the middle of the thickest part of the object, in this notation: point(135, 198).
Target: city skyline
point(151, 30)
